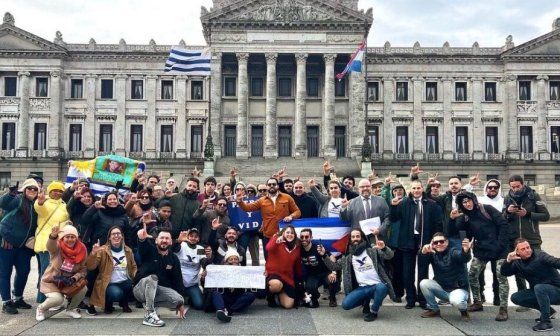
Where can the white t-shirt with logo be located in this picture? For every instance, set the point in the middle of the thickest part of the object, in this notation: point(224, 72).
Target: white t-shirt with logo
point(120, 273)
point(189, 258)
point(335, 204)
point(366, 275)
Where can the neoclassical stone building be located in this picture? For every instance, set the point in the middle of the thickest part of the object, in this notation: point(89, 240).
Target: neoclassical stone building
point(272, 94)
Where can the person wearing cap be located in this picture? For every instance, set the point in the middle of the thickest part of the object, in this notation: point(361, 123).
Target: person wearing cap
point(67, 265)
point(37, 178)
point(51, 212)
point(77, 185)
point(376, 186)
point(16, 227)
point(251, 190)
point(231, 300)
point(171, 185)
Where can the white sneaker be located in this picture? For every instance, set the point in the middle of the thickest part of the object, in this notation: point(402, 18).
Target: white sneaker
point(152, 320)
point(73, 313)
point(56, 308)
point(39, 315)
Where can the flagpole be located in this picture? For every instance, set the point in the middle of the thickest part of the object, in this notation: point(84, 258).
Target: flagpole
point(366, 146)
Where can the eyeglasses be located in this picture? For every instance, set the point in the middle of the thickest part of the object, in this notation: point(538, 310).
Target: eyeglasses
point(467, 200)
point(251, 191)
point(221, 204)
point(239, 189)
point(438, 242)
point(32, 188)
point(116, 234)
point(304, 237)
point(493, 187)
point(145, 197)
point(333, 188)
point(272, 184)
point(262, 190)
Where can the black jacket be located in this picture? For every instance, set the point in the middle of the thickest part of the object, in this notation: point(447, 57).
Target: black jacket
point(445, 202)
point(99, 221)
point(307, 205)
point(526, 227)
point(450, 268)
point(540, 268)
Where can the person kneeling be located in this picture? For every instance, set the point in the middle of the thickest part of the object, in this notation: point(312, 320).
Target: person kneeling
point(231, 300)
point(450, 281)
point(360, 266)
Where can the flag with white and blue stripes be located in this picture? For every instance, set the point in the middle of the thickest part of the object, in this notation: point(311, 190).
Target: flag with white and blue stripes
point(188, 62)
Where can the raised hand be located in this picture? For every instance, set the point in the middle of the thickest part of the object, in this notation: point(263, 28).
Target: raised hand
point(280, 240)
point(208, 252)
point(233, 172)
point(143, 234)
point(98, 205)
point(344, 201)
point(216, 223)
point(205, 203)
point(396, 201)
point(427, 249)
point(455, 213)
point(321, 250)
point(512, 256)
point(475, 180)
point(311, 183)
point(96, 247)
point(168, 193)
point(467, 244)
point(196, 173)
point(415, 170)
point(41, 197)
point(55, 230)
point(147, 219)
point(239, 195)
point(13, 189)
point(183, 235)
point(389, 179)
point(288, 219)
point(372, 175)
point(379, 244)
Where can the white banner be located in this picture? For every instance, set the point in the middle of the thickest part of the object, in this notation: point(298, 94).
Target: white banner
point(228, 276)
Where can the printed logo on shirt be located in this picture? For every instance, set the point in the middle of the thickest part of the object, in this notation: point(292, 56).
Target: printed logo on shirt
point(119, 262)
point(362, 265)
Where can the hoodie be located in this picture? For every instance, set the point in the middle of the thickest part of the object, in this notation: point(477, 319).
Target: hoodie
point(497, 202)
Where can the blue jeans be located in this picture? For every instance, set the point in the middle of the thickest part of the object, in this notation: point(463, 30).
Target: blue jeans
point(431, 289)
point(44, 260)
point(18, 258)
point(195, 294)
point(539, 298)
point(118, 292)
point(233, 302)
point(357, 297)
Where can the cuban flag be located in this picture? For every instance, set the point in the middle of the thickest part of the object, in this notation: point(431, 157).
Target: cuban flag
point(355, 63)
point(332, 233)
point(188, 62)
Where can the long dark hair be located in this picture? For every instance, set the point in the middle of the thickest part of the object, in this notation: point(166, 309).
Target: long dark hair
point(296, 241)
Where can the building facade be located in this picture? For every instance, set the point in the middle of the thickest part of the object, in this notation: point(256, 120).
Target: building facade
point(272, 93)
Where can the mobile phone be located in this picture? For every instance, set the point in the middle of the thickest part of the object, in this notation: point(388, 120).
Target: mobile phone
point(518, 207)
point(200, 252)
point(462, 235)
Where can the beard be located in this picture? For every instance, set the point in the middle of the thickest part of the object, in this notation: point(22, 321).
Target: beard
point(163, 248)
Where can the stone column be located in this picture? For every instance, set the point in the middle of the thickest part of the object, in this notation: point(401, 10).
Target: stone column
point(151, 124)
point(90, 123)
point(242, 151)
point(328, 107)
point(478, 140)
point(120, 133)
point(216, 103)
point(417, 125)
point(357, 114)
point(300, 128)
point(448, 131)
point(23, 125)
point(55, 122)
point(386, 144)
point(270, 147)
point(542, 132)
point(510, 118)
point(181, 131)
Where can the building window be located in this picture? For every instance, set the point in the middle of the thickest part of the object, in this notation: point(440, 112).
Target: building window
point(431, 91)
point(196, 90)
point(554, 90)
point(8, 136)
point(524, 90)
point(557, 180)
point(490, 92)
point(402, 139)
point(340, 140)
point(229, 86)
point(166, 89)
point(373, 91)
point(196, 139)
point(284, 87)
point(136, 89)
point(136, 138)
point(373, 132)
point(530, 180)
point(340, 88)
point(402, 91)
point(461, 91)
point(76, 88)
point(257, 87)
point(105, 138)
point(492, 140)
point(526, 139)
point(432, 141)
point(5, 180)
point(285, 141)
point(230, 140)
point(257, 141)
point(75, 141)
point(312, 87)
point(312, 141)
point(555, 139)
point(41, 87)
point(10, 86)
point(40, 136)
point(166, 144)
point(462, 140)
point(106, 89)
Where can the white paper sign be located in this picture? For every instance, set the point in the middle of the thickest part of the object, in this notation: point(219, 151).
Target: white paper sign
point(371, 223)
point(228, 276)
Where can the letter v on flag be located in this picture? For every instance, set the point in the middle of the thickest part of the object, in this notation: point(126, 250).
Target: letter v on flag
point(355, 63)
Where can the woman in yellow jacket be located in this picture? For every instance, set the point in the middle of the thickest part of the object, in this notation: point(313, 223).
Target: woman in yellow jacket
point(51, 211)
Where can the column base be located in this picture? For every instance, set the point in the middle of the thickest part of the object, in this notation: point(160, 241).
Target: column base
point(151, 154)
point(208, 168)
point(387, 155)
point(300, 153)
point(21, 152)
point(329, 153)
point(448, 155)
point(181, 154)
point(242, 153)
point(365, 169)
point(270, 153)
point(417, 156)
point(478, 156)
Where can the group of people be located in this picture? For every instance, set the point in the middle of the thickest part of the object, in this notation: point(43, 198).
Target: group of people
point(151, 245)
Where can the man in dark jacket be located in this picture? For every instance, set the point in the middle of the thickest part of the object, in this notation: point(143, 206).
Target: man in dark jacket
point(490, 232)
point(183, 207)
point(541, 270)
point(450, 281)
point(306, 204)
point(420, 218)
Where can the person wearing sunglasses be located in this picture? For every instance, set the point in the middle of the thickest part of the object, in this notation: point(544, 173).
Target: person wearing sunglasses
point(204, 215)
point(450, 282)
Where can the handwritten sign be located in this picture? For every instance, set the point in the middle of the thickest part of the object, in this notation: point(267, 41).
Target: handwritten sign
point(244, 221)
point(228, 276)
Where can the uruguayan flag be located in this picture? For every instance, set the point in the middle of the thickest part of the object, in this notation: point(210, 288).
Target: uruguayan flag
point(333, 233)
point(190, 62)
point(355, 63)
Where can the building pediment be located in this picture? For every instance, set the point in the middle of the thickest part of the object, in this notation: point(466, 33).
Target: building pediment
point(547, 45)
point(14, 39)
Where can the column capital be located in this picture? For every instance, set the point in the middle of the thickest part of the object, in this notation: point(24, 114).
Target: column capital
point(56, 73)
point(387, 79)
point(301, 58)
point(216, 57)
point(509, 78)
point(182, 77)
point(121, 76)
point(151, 77)
point(242, 57)
point(542, 77)
point(477, 79)
point(329, 58)
point(447, 79)
point(271, 57)
point(417, 78)
point(91, 76)
point(24, 73)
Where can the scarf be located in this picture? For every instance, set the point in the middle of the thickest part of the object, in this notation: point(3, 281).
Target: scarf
point(116, 249)
point(113, 212)
point(290, 245)
point(358, 249)
point(519, 196)
point(145, 207)
point(75, 254)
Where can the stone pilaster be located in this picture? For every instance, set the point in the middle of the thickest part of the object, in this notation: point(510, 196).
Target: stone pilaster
point(181, 125)
point(55, 122)
point(300, 128)
point(542, 144)
point(242, 151)
point(478, 139)
point(270, 147)
point(216, 102)
point(448, 131)
point(151, 123)
point(357, 114)
point(90, 122)
point(328, 107)
point(386, 144)
point(120, 133)
point(510, 117)
point(418, 129)
point(23, 124)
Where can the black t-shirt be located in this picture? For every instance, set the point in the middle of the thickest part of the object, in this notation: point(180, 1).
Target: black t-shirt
point(312, 261)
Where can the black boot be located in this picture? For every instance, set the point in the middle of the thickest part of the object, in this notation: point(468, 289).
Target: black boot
point(9, 308)
point(271, 299)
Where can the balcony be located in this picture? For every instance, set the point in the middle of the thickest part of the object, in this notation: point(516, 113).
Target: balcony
point(40, 104)
point(196, 155)
point(74, 155)
point(525, 107)
point(527, 156)
point(166, 155)
point(556, 156)
point(376, 157)
point(463, 157)
point(494, 157)
point(38, 153)
point(432, 156)
point(136, 155)
point(9, 104)
point(9, 153)
point(402, 156)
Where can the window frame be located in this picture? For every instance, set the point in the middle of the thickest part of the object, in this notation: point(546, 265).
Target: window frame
point(74, 83)
point(133, 89)
point(39, 80)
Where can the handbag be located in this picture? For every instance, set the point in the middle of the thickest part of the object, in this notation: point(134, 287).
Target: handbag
point(73, 289)
point(30, 242)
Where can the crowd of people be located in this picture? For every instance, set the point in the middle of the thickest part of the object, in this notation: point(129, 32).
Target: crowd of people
point(150, 245)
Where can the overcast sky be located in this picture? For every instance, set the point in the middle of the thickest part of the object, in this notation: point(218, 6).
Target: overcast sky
point(402, 22)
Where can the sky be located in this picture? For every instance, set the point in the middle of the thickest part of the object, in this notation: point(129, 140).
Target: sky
point(401, 22)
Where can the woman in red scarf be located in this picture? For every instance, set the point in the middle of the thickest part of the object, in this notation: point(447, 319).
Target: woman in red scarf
point(67, 265)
